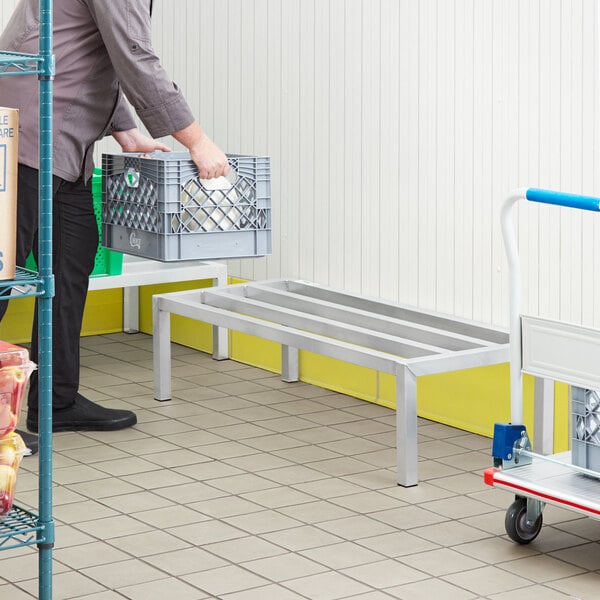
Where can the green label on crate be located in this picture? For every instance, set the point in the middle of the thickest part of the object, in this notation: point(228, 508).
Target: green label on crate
point(132, 177)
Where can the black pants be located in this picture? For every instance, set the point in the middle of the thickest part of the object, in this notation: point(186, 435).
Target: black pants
point(74, 246)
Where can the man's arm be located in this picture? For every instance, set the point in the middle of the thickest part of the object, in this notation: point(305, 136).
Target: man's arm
point(156, 99)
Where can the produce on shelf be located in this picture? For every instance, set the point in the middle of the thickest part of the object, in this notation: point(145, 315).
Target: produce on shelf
point(15, 370)
point(12, 450)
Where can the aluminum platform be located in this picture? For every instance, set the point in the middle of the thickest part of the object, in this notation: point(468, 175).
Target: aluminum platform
point(404, 341)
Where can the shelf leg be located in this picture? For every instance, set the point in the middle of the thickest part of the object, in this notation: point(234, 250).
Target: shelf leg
point(543, 416)
point(131, 309)
point(289, 364)
point(406, 427)
point(161, 346)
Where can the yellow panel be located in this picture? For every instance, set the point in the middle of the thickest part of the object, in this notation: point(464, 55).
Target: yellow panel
point(338, 376)
point(15, 327)
point(103, 314)
point(562, 418)
point(254, 351)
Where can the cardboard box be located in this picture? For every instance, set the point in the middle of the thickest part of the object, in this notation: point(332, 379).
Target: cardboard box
point(9, 137)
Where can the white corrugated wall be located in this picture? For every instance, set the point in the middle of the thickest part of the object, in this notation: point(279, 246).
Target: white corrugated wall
point(396, 127)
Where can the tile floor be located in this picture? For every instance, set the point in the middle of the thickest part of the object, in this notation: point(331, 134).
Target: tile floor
point(246, 488)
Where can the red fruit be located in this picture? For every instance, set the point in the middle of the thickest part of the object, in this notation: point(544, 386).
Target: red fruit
point(6, 502)
point(8, 478)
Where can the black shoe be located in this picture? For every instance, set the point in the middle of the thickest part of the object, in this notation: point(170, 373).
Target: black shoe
point(31, 440)
point(85, 415)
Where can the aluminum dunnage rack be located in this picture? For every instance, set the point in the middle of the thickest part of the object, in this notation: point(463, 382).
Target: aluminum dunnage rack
point(400, 340)
point(552, 350)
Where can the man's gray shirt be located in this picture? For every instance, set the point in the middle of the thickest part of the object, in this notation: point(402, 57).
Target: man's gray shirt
point(102, 48)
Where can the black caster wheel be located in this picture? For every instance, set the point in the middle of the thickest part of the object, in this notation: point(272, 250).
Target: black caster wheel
point(516, 525)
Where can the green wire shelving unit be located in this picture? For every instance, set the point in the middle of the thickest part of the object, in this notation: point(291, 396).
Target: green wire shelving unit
point(21, 527)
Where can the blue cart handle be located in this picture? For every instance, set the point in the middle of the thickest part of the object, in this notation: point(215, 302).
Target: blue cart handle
point(561, 199)
point(512, 255)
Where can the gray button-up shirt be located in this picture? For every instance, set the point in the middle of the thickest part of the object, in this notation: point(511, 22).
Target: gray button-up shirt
point(102, 48)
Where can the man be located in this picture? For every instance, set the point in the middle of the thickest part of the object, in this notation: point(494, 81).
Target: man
point(103, 54)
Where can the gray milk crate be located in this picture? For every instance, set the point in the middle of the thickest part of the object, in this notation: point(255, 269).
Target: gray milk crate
point(156, 206)
point(585, 441)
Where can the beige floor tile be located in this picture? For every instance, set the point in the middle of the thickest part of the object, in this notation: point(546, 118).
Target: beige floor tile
point(206, 532)
point(227, 506)
point(164, 588)
point(262, 522)
point(284, 567)
point(397, 544)
point(69, 584)
point(113, 527)
point(319, 435)
point(170, 516)
point(100, 488)
point(374, 479)
point(76, 474)
point(269, 592)
point(316, 512)
point(342, 556)
point(123, 573)
point(329, 488)
point(496, 550)
point(535, 592)
point(327, 586)
point(245, 549)
point(407, 517)
point(541, 568)
point(306, 454)
point(356, 527)
point(487, 580)
point(383, 459)
point(212, 420)
point(586, 556)
point(88, 555)
point(150, 542)
point(368, 502)
point(429, 589)
point(469, 461)
point(458, 507)
point(244, 483)
point(278, 497)
point(432, 471)
point(224, 580)
point(158, 479)
point(384, 574)
point(450, 533)
point(190, 492)
point(270, 443)
point(184, 562)
point(14, 593)
point(442, 561)
point(424, 492)
point(75, 512)
point(293, 474)
point(258, 462)
point(126, 466)
point(301, 538)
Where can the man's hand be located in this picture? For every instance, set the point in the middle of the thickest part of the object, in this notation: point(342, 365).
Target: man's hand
point(134, 141)
point(209, 158)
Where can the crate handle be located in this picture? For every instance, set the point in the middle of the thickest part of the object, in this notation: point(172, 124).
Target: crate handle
point(561, 199)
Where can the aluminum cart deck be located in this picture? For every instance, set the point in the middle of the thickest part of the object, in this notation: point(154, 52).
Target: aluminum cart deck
point(552, 350)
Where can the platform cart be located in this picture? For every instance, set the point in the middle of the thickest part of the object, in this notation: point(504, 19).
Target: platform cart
point(561, 352)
